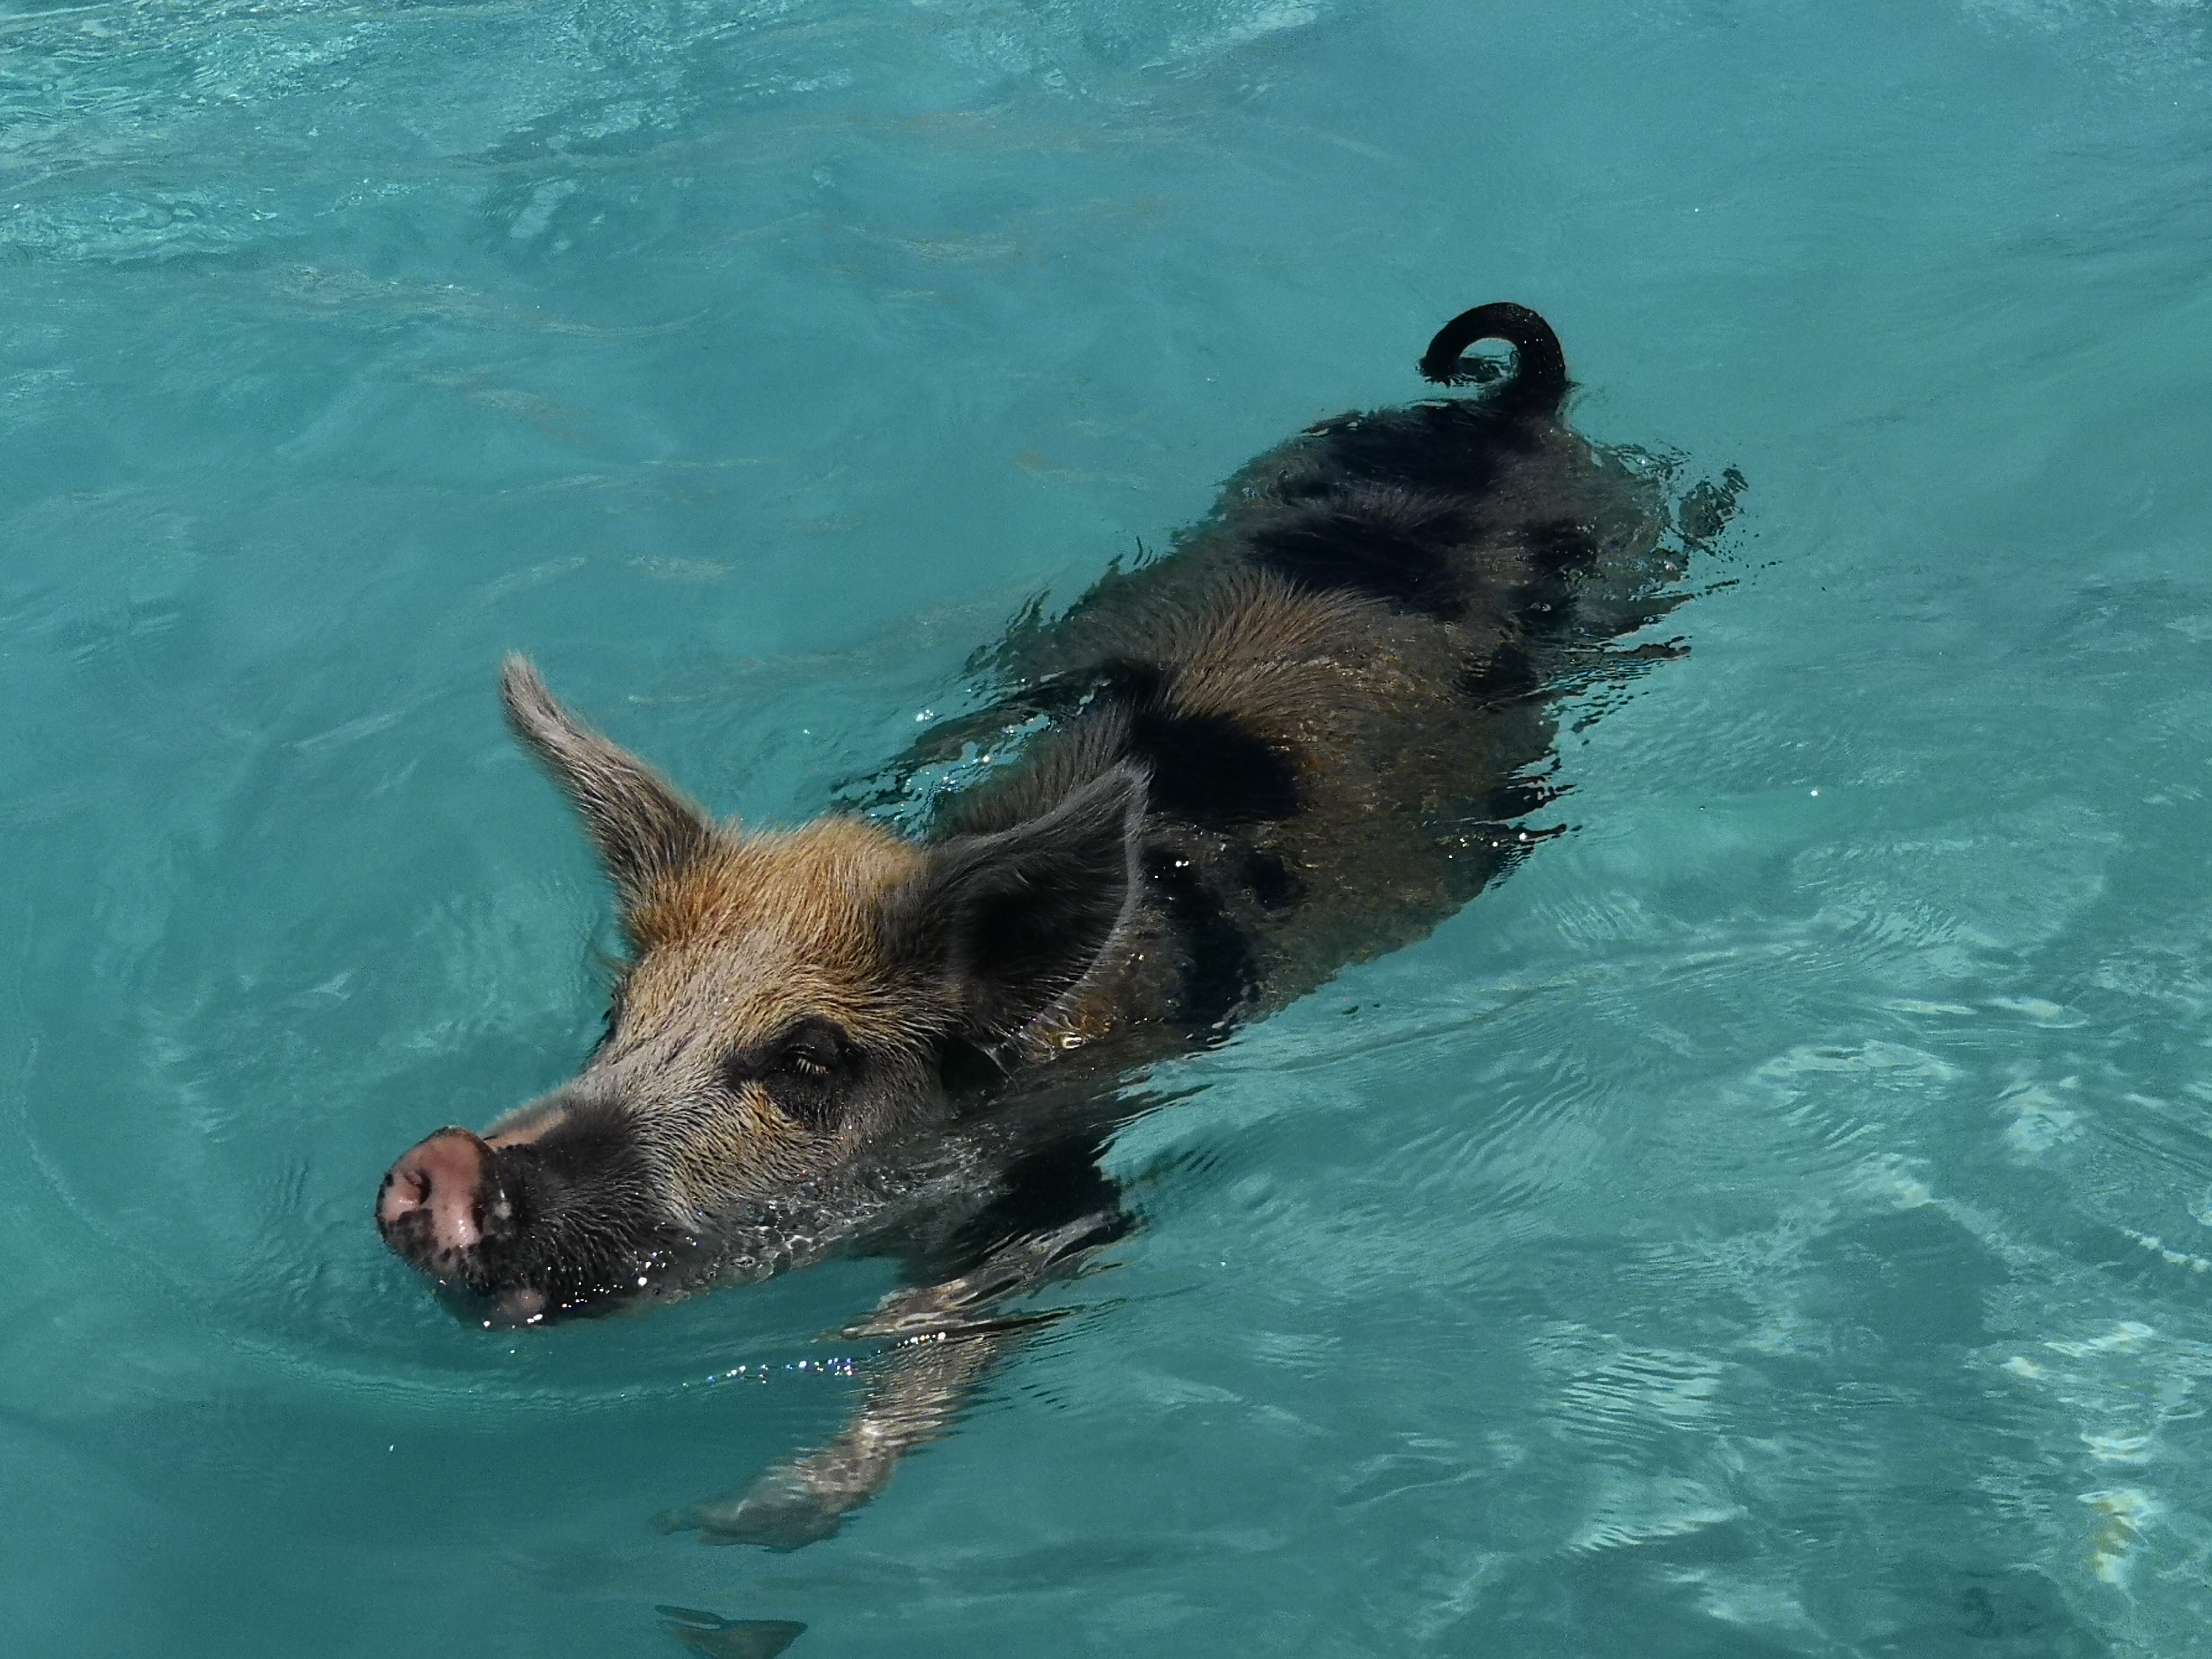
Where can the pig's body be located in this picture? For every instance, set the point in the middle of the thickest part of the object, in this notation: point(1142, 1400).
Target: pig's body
point(1300, 740)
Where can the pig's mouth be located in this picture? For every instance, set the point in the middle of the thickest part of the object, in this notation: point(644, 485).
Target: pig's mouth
point(506, 1242)
point(527, 1229)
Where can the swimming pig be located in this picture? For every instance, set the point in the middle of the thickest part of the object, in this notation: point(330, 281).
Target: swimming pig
point(1302, 738)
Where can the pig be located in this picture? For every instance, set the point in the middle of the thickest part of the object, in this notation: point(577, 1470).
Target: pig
point(1308, 735)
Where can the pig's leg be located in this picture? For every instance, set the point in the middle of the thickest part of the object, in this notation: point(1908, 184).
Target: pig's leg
point(948, 1341)
point(916, 1397)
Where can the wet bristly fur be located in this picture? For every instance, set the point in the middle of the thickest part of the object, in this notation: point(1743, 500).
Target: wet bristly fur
point(1305, 737)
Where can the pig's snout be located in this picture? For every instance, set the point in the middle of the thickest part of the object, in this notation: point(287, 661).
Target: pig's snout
point(439, 1203)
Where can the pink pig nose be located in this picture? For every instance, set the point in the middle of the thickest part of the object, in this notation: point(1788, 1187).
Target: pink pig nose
point(432, 1204)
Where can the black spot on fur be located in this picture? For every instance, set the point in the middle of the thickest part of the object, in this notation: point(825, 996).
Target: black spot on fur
point(1271, 881)
point(1345, 551)
point(1561, 544)
point(1457, 446)
point(1220, 974)
point(1206, 768)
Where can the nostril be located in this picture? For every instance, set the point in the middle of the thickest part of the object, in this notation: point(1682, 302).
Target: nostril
point(407, 1189)
point(443, 1182)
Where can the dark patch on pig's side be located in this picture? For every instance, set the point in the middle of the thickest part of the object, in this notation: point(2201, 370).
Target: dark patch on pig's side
point(1390, 545)
point(1558, 553)
point(1459, 448)
point(1561, 544)
point(1206, 770)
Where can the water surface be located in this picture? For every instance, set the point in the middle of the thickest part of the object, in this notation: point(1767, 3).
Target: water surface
point(1778, 1220)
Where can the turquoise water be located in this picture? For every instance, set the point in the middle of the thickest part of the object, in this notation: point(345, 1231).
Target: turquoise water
point(1776, 1220)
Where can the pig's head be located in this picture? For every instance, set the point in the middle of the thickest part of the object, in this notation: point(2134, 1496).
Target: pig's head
point(791, 998)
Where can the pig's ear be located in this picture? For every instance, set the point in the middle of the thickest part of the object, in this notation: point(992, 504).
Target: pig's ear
point(644, 830)
point(1016, 919)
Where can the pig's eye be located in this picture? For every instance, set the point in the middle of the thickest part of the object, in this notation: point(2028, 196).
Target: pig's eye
point(812, 1049)
point(801, 1069)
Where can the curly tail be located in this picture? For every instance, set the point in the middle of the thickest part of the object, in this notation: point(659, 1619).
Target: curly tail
point(1539, 382)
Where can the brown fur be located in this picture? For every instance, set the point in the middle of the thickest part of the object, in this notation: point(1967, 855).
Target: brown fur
point(1264, 652)
point(755, 934)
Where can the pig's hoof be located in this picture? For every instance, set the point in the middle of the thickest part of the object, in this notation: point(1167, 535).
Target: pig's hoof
point(778, 1511)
